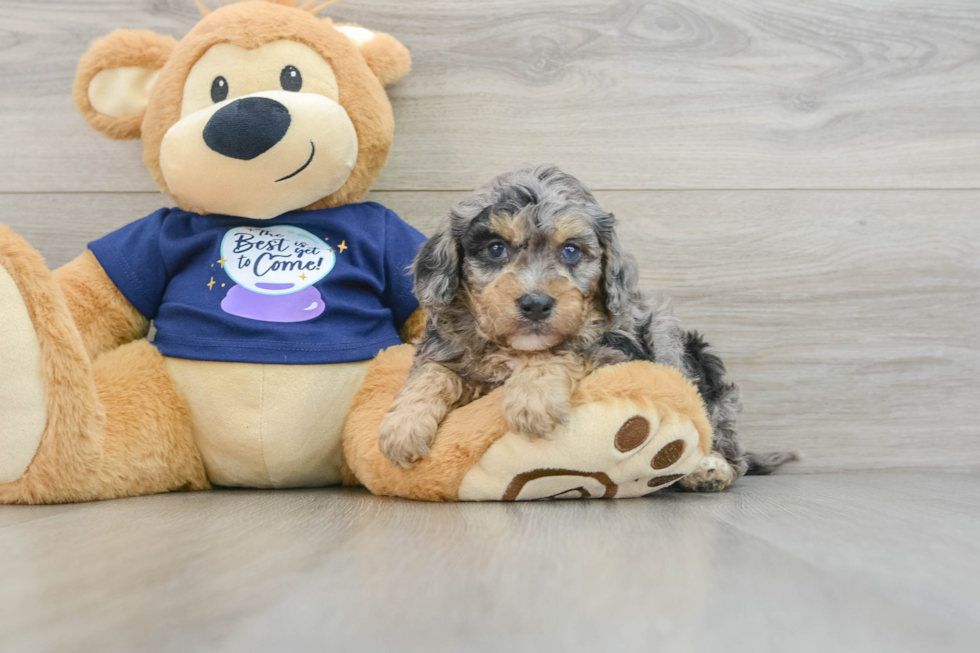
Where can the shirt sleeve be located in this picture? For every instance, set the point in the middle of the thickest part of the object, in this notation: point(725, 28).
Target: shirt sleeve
point(402, 243)
point(132, 258)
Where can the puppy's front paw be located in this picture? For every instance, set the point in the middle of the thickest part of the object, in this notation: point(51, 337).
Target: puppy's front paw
point(406, 437)
point(714, 474)
point(534, 420)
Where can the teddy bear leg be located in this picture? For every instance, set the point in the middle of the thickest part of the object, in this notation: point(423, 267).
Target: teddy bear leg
point(149, 442)
point(634, 428)
point(71, 431)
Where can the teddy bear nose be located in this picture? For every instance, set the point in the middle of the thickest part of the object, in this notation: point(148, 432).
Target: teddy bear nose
point(247, 127)
point(536, 307)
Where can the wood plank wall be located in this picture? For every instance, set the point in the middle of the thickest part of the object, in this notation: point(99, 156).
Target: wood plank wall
point(803, 178)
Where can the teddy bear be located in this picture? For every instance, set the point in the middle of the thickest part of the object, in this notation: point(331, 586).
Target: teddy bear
point(272, 288)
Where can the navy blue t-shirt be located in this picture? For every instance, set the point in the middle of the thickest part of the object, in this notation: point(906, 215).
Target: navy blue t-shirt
point(308, 287)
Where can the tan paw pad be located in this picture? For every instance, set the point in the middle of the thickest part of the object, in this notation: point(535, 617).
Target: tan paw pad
point(23, 409)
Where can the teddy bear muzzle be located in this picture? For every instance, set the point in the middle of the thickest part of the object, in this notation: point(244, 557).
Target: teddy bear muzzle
point(260, 155)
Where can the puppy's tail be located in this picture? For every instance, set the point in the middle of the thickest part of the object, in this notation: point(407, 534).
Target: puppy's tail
point(763, 464)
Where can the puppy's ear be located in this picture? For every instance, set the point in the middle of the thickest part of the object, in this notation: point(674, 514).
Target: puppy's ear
point(436, 270)
point(115, 77)
point(620, 275)
point(387, 58)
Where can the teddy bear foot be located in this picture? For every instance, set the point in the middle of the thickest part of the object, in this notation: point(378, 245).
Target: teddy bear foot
point(617, 443)
point(23, 406)
point(714, 474)
point(73, 430)
point(606, 451)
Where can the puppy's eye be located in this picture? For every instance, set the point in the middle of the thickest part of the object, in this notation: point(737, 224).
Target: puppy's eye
point(497, 251)
point(219, 89)
point(290, 79)
point(571, 253)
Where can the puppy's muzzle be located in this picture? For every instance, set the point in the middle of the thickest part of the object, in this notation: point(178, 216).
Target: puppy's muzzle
point(536, 307)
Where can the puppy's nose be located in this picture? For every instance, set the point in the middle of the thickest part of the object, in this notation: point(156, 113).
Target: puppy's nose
point(536, 307)
point(247, 127)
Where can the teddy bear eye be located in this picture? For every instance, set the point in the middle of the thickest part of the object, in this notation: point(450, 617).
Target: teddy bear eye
point(290, 79)
point(219, 89)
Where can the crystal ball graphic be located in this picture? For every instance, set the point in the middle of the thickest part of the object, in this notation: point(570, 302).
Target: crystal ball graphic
point(274, 268)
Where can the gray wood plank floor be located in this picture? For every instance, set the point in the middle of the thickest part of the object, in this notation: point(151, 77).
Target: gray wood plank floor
point(873, 561)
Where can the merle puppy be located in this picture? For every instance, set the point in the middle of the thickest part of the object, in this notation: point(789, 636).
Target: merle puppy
point(526, 285)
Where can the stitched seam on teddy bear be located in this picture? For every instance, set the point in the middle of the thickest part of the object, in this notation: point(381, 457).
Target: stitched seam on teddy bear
point(265, 465)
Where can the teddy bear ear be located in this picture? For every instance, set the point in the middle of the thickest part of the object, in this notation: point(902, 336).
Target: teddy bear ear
point(114, 79)
point(386, 57)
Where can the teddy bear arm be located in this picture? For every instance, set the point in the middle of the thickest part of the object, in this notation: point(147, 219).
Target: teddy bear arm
point(104, 317)
point(414, 326)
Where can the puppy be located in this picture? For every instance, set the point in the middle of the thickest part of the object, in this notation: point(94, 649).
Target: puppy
point(526, 285)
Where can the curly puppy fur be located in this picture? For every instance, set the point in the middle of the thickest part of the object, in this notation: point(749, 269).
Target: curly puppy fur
point(526, 285)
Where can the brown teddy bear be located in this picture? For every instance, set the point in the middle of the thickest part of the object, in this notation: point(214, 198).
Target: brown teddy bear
point(272, 288)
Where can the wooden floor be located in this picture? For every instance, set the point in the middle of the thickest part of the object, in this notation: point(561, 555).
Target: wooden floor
point(869, 561)
point(803, 178)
